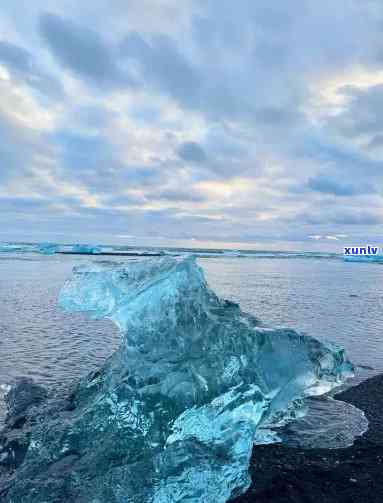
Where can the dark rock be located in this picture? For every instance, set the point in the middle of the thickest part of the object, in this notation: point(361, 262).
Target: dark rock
point(23, 394)
point(13, 448)
point(21, 399)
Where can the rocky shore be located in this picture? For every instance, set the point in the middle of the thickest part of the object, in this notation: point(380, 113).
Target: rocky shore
point(283, 474)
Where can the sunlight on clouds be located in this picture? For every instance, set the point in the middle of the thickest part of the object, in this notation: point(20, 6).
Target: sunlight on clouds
point(45, 171)
point(17, 103)
point(225, 189)
point(329, 96)
point(79, 193)
point(4, 74)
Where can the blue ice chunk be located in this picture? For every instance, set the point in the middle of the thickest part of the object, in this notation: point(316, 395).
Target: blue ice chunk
point(193, 380)
point(48, 248)
point(173, 414)
point(16, 248)
point(86, 249)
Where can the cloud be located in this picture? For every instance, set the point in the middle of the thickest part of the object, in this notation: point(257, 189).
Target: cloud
point(22, 204)
point(22, 67)
point(329, 185)
point(19, 148)
point(191, 152)
point(160, 63)
point(90, 161)
point(15, 57)
point(250, 122)
point(327, 221)
point(179, 196)
point(360, 218)
point(83, 51)
point(361, 115)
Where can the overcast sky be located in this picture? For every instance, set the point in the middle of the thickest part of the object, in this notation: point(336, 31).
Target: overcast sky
point(252, 123)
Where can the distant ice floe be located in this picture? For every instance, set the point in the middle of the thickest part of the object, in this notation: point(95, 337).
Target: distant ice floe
point(132, 251)
point(364, 258)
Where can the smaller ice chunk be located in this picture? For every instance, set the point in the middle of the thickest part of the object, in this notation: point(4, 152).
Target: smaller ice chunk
point(86, 249)
point(48, 248)
point(15, 247)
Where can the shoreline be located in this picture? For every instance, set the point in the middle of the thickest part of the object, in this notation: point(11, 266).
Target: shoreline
point(282, 474)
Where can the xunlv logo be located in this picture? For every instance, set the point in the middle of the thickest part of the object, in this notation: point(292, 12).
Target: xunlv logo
point(361, 250)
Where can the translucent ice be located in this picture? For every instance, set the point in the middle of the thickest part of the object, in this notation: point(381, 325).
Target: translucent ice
point(16, 247)
point(86, 249)
point(173, 414)
point(48, 248)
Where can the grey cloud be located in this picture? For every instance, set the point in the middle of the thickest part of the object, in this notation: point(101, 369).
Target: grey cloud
point(179, 196)
point(279, 116)
point(191, 151)
point(22, 204)
point(37, 206)
point(362, 115)
point(91, 117)
point(83, 51)
point(15, 57)
point(114, 200)
point(22, 66)
point(350, 170)
point(359, 218)
point(332, 219)
point(329, 185)
point(18, 147)
point(376, 142)
point(90, 161)
point(241, 58)
point(163, 64)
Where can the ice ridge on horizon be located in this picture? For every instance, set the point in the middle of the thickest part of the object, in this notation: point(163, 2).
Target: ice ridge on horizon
point(173, 414)
point(47, 248)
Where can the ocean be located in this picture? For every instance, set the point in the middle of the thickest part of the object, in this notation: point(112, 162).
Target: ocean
point(317, 294)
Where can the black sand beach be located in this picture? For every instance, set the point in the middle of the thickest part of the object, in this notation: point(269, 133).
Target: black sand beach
point(354, 475)
point(283, 474)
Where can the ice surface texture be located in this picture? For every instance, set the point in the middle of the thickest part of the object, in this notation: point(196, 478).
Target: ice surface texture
point(173, 414)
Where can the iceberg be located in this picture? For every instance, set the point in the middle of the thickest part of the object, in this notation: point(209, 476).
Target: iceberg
point(86, 249)
point(48, 248)
point(16, 248)
point(173, 414)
